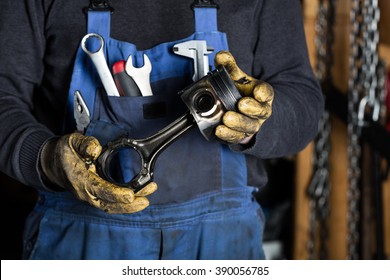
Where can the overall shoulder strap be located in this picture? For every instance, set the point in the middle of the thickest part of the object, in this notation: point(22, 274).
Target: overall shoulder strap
point(205, 12)
point(98, 21)
point(99, 17)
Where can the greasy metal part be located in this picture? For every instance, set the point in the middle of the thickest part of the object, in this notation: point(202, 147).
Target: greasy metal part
point(206, 99)
point(209, 99)
point(148, 149)
point(319, 187)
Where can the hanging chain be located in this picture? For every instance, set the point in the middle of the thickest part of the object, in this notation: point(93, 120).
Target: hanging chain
point(354, 130)
point(362, 100)
point(319, 190)
point(319, 187)
point(381, 90)
point(324, 39)
point(370, 59)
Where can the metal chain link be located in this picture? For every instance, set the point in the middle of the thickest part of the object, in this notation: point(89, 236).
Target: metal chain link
point(319, 187)
point(354, 130)
point(319, 190)
point(370, 59)
point(363, 61)
point(324, 39)
point(381, 90)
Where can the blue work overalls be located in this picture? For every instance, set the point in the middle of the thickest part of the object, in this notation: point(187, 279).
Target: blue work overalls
point(203, 208)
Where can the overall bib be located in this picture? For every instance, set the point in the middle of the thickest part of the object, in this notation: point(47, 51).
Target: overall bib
point(203, 208)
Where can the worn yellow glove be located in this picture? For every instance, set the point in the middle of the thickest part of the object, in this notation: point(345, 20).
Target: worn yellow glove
point(253, 109)
point(67, 162)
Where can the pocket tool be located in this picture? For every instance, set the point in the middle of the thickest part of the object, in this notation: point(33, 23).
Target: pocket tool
point(141, 76)
point(98, 59)
point(125, 84)
point(198, 51)
point(207, 100)
point(81, 112)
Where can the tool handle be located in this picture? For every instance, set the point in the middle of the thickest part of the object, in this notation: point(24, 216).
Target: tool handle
point(125, 84)
point(148, 149)
point(144, 86)
point(104, 74)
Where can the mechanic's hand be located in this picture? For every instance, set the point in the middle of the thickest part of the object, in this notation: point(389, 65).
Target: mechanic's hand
point(253, 109)
point(68, 162)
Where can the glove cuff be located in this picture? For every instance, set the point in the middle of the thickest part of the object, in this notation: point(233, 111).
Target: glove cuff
point(45, 154)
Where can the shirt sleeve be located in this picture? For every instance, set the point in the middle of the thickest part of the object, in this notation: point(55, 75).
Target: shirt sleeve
point(22, 49)
point(281, 59)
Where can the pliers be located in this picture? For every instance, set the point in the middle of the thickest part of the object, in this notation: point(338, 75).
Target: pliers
point(81, 112)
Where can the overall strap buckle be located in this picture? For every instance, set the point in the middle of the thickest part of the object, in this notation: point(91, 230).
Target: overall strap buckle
point(204, 4)
point(99, 6)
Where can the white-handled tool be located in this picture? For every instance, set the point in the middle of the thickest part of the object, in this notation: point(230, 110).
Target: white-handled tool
point(198, 51)
point(100, 63)
point(141, 76)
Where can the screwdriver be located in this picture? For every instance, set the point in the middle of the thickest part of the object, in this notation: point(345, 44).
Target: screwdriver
point(125, 84)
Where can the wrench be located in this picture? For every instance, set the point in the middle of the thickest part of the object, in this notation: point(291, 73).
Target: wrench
point(141, 76)
point(100, 62)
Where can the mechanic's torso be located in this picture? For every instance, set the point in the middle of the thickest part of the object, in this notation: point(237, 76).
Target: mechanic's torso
point(143, 23)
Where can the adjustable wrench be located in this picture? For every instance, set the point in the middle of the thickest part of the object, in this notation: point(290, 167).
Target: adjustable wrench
point(141, 76)
point(198, 51)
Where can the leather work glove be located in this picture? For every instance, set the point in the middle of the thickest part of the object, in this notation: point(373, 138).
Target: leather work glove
point(254, 107)
point(68, 163)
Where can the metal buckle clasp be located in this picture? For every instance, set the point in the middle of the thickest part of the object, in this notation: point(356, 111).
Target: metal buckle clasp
point(204, 4)
point(99, 5)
